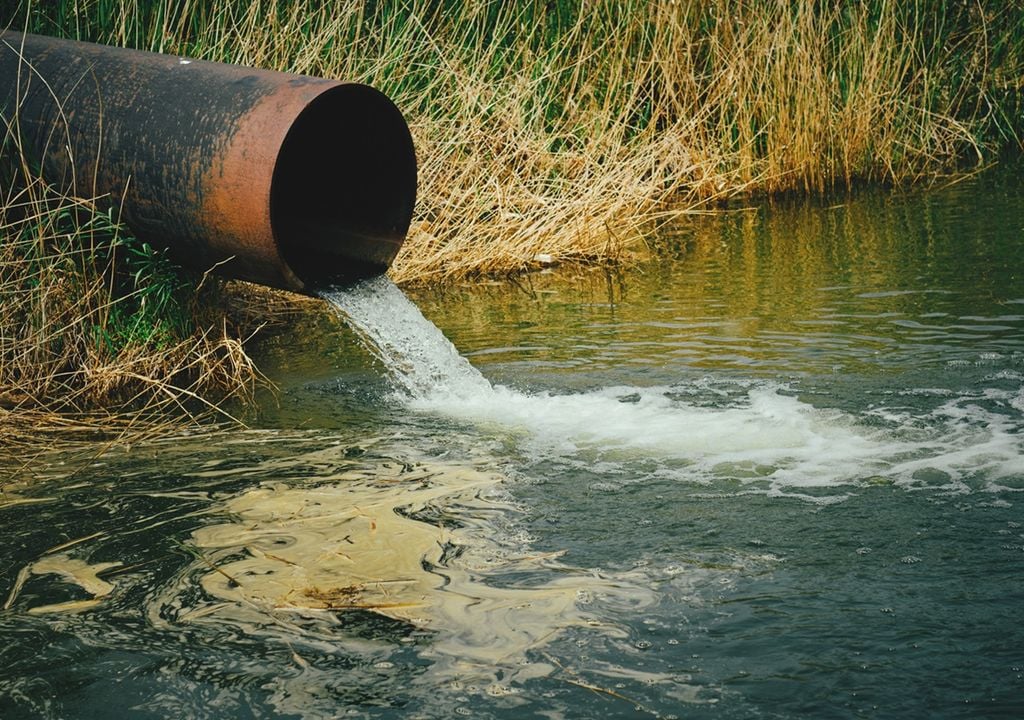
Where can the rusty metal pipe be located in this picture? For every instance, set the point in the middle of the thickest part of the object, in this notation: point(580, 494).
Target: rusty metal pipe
point(285, 180)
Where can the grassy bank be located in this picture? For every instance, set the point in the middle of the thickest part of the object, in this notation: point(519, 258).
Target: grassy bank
point(100, 335)
point(564, 129)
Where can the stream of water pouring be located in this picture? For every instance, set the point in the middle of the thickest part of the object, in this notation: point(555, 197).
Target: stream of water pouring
point(417, 356)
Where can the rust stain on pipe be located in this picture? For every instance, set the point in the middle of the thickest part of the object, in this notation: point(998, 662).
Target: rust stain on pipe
point(281, 179)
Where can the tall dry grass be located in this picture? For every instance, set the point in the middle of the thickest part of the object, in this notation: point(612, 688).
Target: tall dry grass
point(563, 128)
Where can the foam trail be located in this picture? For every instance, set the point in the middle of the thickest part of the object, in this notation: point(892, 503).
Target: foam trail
point(765, 434)
point(768, 431)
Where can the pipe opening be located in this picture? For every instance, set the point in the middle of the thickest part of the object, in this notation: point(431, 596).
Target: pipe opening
point(344, 187)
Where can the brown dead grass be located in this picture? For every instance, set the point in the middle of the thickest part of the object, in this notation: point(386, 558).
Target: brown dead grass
point(67, 366)
point(568, 130)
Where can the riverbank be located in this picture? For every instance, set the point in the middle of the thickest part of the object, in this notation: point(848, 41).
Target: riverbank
point(545, 132)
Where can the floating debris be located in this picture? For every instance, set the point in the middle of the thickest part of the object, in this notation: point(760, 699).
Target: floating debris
point(77, 571)
point(69, 569)
point(416, 543)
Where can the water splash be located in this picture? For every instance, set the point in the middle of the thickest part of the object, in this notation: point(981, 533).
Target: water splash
point(416, 355)
point(756, 432)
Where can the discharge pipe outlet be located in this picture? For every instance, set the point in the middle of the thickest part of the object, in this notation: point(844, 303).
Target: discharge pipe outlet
point(280, 179)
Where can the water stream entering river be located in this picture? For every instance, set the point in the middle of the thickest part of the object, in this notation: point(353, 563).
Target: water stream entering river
point(753, 430)
point(775, 472)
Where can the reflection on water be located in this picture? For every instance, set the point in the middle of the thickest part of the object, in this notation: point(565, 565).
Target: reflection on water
point(875, 284)
point(776, 472)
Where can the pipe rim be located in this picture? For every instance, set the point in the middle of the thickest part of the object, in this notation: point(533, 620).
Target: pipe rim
point(343, 187)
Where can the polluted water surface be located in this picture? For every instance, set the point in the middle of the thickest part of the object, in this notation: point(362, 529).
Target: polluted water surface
point(414, 543)
point(708, 429)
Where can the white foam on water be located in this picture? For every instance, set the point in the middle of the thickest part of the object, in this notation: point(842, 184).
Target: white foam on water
point(770, 434)
point(764, 436)
point(966, 441)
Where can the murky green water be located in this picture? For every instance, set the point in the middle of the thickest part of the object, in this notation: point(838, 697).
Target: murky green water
point(775, 473)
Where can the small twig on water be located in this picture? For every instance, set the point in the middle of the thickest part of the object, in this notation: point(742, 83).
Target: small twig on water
point(232, 582)
point(600, 690)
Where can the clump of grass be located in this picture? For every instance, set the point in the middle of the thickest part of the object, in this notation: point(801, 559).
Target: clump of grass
point(100, 334)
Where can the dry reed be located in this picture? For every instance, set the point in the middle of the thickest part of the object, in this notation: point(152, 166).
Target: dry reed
point(82, 350)
point(560, 130)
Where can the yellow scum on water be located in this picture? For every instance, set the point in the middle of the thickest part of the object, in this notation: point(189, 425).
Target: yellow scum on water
point(360, 542)
point(71, 570)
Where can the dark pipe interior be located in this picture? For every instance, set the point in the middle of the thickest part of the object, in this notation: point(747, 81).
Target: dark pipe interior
point(344, 187)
